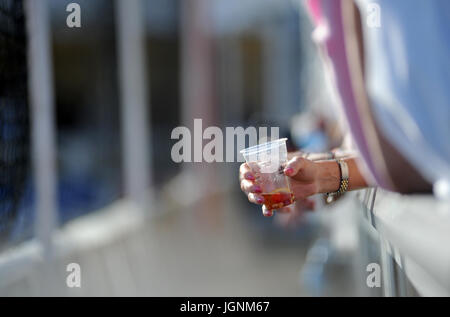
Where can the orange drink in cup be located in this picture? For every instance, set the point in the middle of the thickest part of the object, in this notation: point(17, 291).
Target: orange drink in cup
point(267, 162)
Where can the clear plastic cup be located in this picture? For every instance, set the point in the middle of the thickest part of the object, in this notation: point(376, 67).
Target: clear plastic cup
point(267, 162)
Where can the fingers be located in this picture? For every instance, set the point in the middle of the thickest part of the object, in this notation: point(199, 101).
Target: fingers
point(304, 205)
point(247, 179)
point(249, 184)
point(267, 212)
point(256, 199)
point(284, 210)
point(294, 166)
point(246, 173)
point(250, 187)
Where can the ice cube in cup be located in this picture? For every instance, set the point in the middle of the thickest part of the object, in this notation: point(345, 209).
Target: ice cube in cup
point(266, 161)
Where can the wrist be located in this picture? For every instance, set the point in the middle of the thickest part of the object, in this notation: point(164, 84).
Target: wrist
point(328, 177)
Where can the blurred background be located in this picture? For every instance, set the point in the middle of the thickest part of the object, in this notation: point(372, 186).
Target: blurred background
point(138, 223)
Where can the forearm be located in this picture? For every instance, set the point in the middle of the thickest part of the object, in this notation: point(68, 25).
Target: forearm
point(321, 156)
point(328, 177)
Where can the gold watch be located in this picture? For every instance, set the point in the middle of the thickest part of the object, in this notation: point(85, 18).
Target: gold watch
point(343, 183)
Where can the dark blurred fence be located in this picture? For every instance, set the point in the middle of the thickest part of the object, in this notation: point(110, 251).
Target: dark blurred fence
point(14, 124)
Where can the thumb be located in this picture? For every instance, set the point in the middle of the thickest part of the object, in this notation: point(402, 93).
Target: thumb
point(300, 169)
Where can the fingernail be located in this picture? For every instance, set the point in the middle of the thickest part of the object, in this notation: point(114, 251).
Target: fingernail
point(268, 213)
point(287, 202)
point(289, 171)
point(257, 189)
point(249, 176)
point(260, 200)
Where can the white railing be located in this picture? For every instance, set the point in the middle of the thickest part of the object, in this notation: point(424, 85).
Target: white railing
point(413, 233)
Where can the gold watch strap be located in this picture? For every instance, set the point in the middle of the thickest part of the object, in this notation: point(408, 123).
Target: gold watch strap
point(343, 183)
point(343, 187)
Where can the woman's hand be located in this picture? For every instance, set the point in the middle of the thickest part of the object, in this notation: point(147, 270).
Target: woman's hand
point(304, 176)
point(249, 186)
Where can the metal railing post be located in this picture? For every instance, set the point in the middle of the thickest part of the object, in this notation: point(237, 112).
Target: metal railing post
point(133, 81)
point(388, 270)
point(43, 138)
